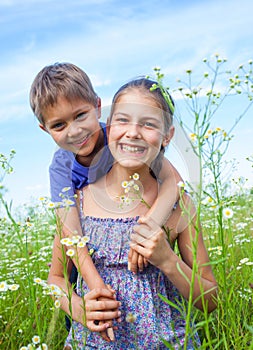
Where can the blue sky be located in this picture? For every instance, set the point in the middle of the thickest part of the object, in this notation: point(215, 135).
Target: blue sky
point(113, 42)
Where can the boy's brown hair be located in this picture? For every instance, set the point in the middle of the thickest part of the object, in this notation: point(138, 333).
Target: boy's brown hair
point(60, 80)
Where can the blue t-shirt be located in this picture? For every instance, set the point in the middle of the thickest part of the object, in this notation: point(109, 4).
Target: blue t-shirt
point(65, 171)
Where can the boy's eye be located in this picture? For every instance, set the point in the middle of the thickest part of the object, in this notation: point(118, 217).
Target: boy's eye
point(81, 115)
point(57, 126)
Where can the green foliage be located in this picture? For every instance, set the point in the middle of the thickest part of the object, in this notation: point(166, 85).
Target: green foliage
point(26, 249)
point(202, 97)
point(26, 312)
point(224, 208)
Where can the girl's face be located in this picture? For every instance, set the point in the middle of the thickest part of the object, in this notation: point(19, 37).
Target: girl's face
point(136, 131)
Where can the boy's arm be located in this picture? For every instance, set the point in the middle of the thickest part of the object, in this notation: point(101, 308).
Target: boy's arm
point(68, 220)
point(73, 304)
point(68, 224)
point(168, 193)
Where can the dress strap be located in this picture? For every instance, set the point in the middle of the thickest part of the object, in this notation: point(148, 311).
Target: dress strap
point(81, 202)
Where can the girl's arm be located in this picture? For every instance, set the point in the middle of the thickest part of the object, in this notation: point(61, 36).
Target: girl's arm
point(161, 209)
point(151, 242)
point(88, 310)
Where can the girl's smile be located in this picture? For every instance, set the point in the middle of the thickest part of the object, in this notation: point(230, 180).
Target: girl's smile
point(136, 150)
point(136, 130)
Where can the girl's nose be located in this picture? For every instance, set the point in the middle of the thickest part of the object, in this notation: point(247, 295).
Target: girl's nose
point(133, 131)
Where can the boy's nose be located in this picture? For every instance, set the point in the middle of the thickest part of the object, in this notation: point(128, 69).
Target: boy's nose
point(73, 130)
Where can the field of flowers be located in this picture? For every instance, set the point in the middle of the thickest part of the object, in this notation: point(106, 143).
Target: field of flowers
point(30, 319)
point(29, 316)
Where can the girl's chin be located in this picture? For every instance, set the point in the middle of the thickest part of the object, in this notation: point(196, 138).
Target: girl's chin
point(132, 164)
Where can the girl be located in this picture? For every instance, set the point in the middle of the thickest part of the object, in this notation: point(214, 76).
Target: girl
point(140, 127)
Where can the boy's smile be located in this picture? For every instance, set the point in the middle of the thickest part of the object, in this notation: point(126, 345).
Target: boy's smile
point(73, 125)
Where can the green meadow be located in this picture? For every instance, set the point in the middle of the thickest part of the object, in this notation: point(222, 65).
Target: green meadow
point(30, 319)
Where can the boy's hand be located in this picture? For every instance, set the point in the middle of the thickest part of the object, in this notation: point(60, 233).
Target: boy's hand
point(108, 334)
point(98, 316)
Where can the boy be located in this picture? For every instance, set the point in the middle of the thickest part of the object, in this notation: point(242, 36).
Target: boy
point(67, 107)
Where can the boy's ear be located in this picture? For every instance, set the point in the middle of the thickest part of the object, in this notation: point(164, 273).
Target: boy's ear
point(43, 127)
point(99, 107)
point(167, 138)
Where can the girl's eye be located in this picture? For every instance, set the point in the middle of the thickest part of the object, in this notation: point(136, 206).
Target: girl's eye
point(122, 120)
point(150, 125)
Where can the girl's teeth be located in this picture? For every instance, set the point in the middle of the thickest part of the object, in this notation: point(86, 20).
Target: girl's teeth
point(132, 149)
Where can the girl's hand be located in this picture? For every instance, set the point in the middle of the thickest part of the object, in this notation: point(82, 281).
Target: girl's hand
point(150, 241)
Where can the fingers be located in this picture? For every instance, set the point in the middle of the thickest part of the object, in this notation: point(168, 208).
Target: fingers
point(102, 305)
point(145, 262)
point(138, 248)
point(110, 334)
point(140, 262)
point(136, 261)
point(97, 327)
point(100, 292)
point(112, 291)
point(133, 263)
point(104, 329)
point(101, 322)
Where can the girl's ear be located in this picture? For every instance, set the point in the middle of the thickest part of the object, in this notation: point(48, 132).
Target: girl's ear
point(167, 138)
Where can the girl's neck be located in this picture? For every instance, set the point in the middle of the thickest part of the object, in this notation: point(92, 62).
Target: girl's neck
point(118, 174)
point(105, 196)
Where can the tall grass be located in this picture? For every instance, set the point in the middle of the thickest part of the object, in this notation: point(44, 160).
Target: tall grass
point(224, 208)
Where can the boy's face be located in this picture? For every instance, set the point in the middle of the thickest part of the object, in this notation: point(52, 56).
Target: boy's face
point(73, 125)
